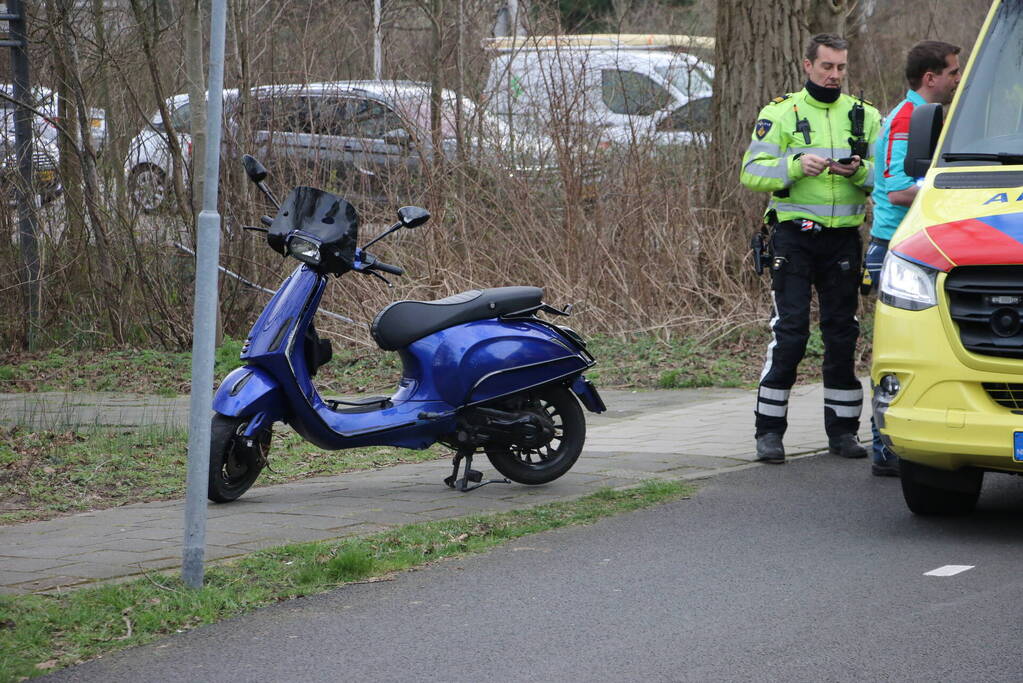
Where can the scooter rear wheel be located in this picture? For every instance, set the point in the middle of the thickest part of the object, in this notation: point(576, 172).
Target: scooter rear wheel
point(234, 464)
point(539, 464)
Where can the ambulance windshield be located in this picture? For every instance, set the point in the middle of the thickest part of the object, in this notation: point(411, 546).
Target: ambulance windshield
point(988, 119)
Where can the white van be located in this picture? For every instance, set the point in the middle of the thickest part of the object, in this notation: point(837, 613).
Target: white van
point(627, 87)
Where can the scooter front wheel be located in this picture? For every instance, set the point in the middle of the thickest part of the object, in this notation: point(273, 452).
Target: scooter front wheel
point(235, 462)
point(541, 463)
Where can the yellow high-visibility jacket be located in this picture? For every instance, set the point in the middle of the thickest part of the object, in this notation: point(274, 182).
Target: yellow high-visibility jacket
point(771, 162)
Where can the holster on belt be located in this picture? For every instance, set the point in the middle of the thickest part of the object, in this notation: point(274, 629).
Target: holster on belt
point(760, 246)
point(760, 243)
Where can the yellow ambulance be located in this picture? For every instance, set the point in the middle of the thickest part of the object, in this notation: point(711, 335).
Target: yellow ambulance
point(947, 372)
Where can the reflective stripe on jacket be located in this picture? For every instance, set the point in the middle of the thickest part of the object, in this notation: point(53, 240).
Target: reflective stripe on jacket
point(771, 164)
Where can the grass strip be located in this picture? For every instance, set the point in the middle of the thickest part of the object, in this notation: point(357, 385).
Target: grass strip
point(634, 361)
point(41, 633)
point(48, 473)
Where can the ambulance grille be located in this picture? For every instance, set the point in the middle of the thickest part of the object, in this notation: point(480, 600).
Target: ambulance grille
point(986, 303)
point(1008, 395)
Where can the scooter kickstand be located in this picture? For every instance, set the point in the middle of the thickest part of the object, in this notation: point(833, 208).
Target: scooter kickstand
point(453, 479)
point(472, 475)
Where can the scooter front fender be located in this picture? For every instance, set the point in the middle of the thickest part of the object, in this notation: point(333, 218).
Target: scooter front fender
point(248, 391)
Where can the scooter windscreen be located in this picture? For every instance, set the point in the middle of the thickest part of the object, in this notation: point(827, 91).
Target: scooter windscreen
point(327, 218)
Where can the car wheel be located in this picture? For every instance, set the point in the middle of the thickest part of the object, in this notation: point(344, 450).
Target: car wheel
point(147, 188)
point(932, 492)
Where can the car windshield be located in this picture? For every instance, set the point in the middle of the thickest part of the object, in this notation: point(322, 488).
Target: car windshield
point(989, 115)
point(689, 78)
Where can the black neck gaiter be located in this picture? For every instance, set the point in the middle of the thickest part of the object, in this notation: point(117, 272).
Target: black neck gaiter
point(822, 94)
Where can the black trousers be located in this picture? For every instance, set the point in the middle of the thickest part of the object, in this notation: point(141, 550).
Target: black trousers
point(828, 260)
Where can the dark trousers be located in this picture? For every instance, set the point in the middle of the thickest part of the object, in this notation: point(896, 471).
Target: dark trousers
point(828, 260)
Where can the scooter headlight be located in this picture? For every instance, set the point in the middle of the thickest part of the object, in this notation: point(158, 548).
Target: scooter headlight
point(907, 285)
point(304, 249)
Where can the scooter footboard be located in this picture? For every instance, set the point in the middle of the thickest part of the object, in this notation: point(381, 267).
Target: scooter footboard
point(249, 391)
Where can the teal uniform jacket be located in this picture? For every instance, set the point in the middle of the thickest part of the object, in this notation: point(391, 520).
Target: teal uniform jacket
point(771, 162)
point(890, 176)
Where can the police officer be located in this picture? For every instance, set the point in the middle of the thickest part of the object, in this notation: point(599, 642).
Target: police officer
point(813, 151)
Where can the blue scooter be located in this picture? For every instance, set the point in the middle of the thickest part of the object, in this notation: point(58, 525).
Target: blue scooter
point(480, 372)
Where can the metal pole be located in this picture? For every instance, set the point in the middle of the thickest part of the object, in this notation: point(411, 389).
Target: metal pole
point(378, 53)
point(205, 314)
point(28, 228)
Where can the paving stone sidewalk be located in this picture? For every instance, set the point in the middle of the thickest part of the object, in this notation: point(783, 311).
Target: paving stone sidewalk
point(684, 434)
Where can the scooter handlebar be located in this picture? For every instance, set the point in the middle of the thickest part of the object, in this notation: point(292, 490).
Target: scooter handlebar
point(388, 268)
point(371, 263)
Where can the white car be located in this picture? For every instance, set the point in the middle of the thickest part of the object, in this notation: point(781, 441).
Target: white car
point(44, 101)
point(45, 155)
point(149, 163)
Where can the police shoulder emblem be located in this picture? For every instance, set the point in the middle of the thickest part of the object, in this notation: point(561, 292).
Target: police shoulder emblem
point(781, 98)
point(763, 127)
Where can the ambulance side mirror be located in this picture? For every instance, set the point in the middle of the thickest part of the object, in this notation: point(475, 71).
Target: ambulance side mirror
point(924, 129)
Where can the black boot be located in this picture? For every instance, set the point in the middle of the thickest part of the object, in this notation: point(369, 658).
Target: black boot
point(847, 446)
point(769, 449)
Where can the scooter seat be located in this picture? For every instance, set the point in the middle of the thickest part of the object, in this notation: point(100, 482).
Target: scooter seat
point(401, 323)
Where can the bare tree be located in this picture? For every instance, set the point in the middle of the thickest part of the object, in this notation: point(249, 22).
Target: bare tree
point(847, 18)
point(756, 55)
point(66, 51)
point(149, 19)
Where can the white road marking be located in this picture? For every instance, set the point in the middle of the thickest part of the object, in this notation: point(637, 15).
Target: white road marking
point(950, 570)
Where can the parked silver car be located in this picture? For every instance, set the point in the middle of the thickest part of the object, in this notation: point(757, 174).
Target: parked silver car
point(365, 139)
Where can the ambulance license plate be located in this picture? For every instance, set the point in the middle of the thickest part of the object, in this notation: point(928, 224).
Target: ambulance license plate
point(1017, 446)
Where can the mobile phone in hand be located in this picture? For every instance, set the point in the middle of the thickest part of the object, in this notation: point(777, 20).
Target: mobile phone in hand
point(844, 160)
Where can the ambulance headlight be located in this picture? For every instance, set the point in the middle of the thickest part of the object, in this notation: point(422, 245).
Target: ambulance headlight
point(907, 285)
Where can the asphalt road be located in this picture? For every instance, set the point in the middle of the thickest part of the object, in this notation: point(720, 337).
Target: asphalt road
point(814, 571)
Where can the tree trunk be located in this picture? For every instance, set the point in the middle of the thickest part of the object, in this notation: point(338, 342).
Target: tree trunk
point(847, 18)
point(115, 148)
point(148, 19)
point(511, 18)
point(829, 16)
point(758, 53)
point(67, 47)
point(437, 160)
point(67, 142)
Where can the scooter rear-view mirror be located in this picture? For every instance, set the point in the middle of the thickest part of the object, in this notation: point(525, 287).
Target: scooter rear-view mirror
point(256, 171)
point(413, 216)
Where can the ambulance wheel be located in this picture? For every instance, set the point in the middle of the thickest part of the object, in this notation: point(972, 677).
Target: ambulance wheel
point(235, 462)
point(932, 492)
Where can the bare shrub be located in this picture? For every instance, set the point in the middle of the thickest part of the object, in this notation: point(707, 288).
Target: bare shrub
point(635, 238)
